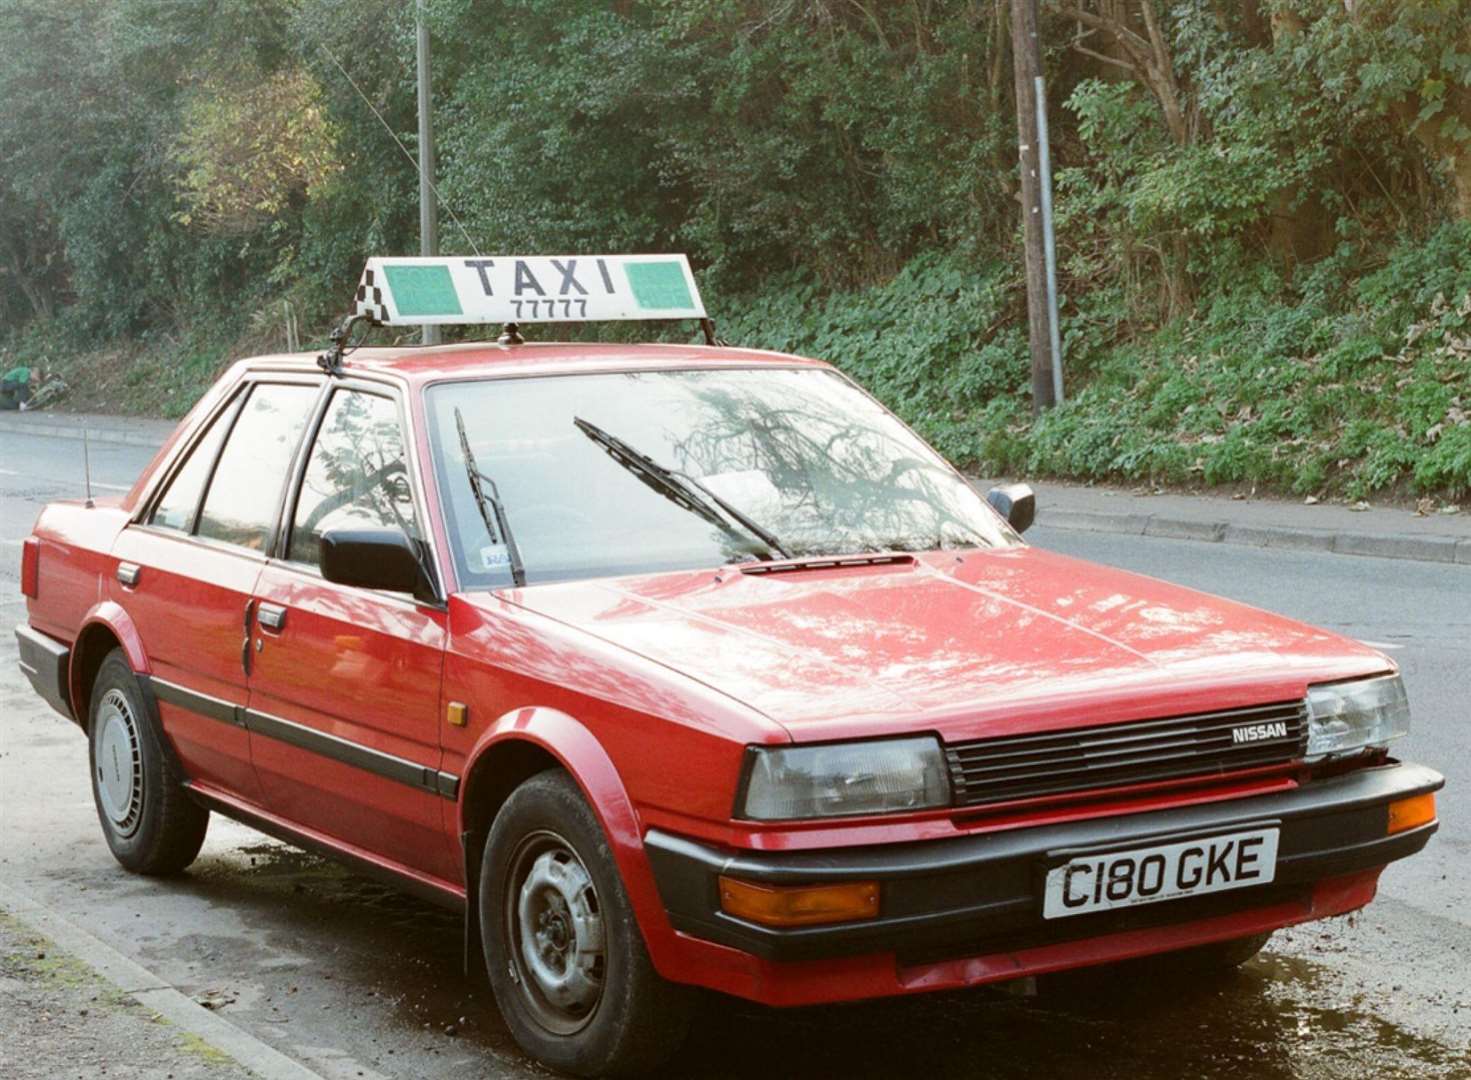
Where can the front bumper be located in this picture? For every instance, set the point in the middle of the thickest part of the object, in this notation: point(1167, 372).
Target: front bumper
point(982, 894)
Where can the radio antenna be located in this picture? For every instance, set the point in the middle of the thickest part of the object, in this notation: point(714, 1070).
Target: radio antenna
point(418, 166)
point(87, 466)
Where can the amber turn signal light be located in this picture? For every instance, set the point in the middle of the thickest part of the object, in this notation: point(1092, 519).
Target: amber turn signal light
point(799, 905)
point(1409, 813)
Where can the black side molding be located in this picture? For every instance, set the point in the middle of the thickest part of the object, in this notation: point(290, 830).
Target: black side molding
point(389, 766)
point(47, 664)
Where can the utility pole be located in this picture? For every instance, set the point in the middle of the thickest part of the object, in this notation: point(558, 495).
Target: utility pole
point(428, 206)
point(1026, 54)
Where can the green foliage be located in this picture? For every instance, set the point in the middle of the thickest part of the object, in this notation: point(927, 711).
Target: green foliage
point(1297, 392)
point(1263, 281)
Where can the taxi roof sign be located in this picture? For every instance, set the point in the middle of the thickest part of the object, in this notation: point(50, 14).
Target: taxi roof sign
point(460, 290)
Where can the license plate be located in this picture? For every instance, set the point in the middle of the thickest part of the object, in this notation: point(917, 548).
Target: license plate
point(1148, 875)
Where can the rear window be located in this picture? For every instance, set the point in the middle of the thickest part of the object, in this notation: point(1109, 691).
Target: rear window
point(246, 488)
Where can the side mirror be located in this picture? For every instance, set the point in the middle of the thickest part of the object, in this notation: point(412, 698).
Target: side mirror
point(373, 559)
point(1017, 503)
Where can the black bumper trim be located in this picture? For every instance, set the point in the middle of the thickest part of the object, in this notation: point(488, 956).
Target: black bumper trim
point(950, 894)
point(47, 664)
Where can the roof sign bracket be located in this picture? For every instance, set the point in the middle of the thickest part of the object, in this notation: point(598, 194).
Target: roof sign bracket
point(330, 361)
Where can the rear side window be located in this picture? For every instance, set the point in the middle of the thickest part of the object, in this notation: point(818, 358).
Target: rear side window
point(180, 500)
point(241, 504)
point(357, 475)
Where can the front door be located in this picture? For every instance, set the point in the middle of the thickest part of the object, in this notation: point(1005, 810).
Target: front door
point(188, 569)
point(344, 689)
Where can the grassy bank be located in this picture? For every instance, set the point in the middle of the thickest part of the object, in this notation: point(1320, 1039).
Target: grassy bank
point(1350, 382)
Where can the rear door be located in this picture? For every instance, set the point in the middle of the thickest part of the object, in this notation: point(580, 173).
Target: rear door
point(344, 691)
point(188, 568)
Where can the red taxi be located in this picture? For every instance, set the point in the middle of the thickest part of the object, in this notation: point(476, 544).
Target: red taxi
point(688, 666)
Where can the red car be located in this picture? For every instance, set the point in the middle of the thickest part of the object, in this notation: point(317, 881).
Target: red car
point(678, 666)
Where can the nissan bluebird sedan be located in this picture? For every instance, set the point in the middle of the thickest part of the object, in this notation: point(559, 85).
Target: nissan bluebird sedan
point(682, 667)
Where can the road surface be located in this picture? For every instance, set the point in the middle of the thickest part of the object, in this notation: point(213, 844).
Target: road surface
point(354, 980)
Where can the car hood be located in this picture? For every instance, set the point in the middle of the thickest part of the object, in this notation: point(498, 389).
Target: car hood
point(970, 645)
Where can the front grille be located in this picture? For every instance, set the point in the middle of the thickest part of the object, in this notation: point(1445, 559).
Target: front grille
point(1140, 752)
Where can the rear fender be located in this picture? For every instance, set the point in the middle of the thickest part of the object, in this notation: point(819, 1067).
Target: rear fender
point(578, 751)
point(105, 627)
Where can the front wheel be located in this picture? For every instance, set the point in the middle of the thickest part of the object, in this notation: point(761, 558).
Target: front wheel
point(150, 824)
point(563, 950)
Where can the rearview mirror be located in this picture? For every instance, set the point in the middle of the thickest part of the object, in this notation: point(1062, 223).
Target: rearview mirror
point(1017, 503)
point(373, 559)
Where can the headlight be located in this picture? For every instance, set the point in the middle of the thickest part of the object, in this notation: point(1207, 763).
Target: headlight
point(1348, 716)
point(875, 777)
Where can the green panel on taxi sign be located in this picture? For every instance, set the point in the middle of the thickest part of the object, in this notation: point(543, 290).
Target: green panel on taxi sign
point(658, 286)
point(422, 290)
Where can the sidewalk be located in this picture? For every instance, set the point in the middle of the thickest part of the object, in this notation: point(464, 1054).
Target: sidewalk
point(1386, 532)
point(59, 1018)
point(1383, 531)
point(128, 430)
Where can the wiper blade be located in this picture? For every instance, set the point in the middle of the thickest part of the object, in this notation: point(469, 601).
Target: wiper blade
point(490, 505)
point(678, 487)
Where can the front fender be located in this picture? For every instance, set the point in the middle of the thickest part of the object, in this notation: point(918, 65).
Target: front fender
point(580, 753)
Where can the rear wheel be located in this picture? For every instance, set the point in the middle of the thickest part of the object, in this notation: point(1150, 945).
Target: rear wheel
point(564, 952)
point(149, 822)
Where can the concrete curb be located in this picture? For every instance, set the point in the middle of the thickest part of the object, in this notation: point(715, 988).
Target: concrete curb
point(154, 993)
point(1439, 549)
point(52, 429)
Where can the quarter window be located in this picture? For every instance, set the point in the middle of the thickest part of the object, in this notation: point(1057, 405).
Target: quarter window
point(357, 476)
point(241, 504)
point(177, 506)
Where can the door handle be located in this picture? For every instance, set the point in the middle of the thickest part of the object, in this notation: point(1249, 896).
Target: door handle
point(271, 616)
point(128, 573)
point(245, 641)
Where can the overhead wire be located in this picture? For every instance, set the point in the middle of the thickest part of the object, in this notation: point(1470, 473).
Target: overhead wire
point(418, 166)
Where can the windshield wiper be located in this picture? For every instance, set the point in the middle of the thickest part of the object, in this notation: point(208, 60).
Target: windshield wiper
point(679, 488)
point(490, 505)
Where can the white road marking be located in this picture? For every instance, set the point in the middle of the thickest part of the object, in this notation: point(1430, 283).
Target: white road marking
point(1380, 645)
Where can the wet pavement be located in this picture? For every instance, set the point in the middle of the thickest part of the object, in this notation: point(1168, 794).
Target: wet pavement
point(357, 980)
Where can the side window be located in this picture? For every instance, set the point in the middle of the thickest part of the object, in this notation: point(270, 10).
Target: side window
point(357, 474)
point(242, 498)
point(180, 500)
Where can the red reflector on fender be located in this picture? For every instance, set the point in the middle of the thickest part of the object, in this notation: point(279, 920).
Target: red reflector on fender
point(30, 567)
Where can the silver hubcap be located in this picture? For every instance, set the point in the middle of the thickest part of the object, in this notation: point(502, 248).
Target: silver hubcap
point(119, 763)
point(556, 928)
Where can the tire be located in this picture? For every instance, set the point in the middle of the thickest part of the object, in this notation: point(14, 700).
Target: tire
point(1219, 956)
point(148, 820)
point(577, 1008)
point(1224, 955)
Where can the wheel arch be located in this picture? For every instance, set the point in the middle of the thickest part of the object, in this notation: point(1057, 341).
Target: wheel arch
point(106, 627)
point(521, 744)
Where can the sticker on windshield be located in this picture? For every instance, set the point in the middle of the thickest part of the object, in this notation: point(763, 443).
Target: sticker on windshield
point(494, 557)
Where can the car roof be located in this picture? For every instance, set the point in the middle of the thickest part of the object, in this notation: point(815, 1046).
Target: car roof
point(432, 363)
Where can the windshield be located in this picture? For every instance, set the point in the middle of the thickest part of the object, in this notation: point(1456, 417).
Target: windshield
point(639, 472)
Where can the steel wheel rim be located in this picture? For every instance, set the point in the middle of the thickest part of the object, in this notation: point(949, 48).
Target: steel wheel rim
point(118, 763)
point(554, 928)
